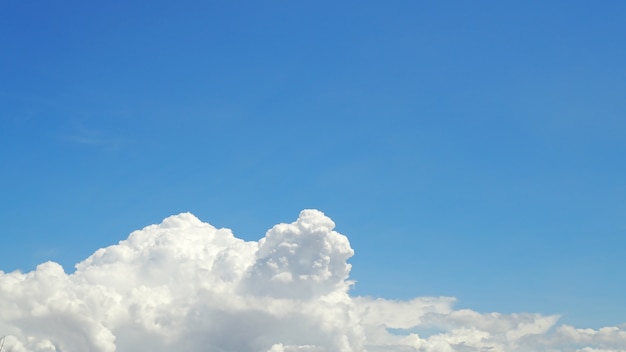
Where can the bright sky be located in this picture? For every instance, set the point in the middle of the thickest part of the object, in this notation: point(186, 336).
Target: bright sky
point(471, 150)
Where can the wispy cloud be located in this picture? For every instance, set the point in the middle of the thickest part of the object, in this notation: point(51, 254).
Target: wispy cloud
point(77, 130)
point(108, 143)
point(82, 135)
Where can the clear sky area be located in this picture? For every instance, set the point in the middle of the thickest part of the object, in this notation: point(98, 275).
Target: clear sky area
point(474, 150)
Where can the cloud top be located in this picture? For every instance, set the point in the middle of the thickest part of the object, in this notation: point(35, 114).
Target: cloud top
point(186, 285)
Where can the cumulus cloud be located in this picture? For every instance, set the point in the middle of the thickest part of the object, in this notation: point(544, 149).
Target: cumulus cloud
point(185, 285)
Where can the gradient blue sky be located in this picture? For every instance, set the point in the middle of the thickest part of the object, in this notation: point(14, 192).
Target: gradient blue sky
point(468, 149)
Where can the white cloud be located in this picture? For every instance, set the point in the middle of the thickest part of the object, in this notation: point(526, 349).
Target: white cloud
point(184, 285)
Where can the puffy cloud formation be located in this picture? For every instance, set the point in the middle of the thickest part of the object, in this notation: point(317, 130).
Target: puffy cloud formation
point(184, 285)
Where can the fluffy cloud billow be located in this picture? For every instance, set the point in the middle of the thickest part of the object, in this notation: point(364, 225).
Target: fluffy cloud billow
point(185, 285)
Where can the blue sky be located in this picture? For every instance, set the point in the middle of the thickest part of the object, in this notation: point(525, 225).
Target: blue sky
point(473, 150)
